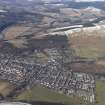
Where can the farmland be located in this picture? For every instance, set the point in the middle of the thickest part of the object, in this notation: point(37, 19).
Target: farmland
point(5, 88)
point(39, 93)
point(88, 44)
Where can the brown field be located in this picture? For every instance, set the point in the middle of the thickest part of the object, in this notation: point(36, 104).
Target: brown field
point(14, 31)
point(19, 43)
point(88, 46)
point(5, 88)
point(70, 12)
point(88, 68)
point(17, 35)
point(79, 12)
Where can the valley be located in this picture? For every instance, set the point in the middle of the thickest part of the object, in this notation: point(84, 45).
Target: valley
point(52, 52)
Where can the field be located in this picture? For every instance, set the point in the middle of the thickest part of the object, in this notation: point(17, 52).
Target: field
point(89, 46)
point(100, 93)
point(5, 88)
point(39, 93)
point(13, 34)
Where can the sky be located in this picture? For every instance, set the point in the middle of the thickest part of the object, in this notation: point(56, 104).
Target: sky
point(73, 0)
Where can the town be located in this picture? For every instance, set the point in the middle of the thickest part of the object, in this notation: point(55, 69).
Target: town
point(49, 72)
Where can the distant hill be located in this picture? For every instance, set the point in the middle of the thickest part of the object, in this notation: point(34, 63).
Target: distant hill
point(89, 0)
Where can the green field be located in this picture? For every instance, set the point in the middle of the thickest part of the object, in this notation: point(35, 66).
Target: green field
point(39, 93)
point(100, 93)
